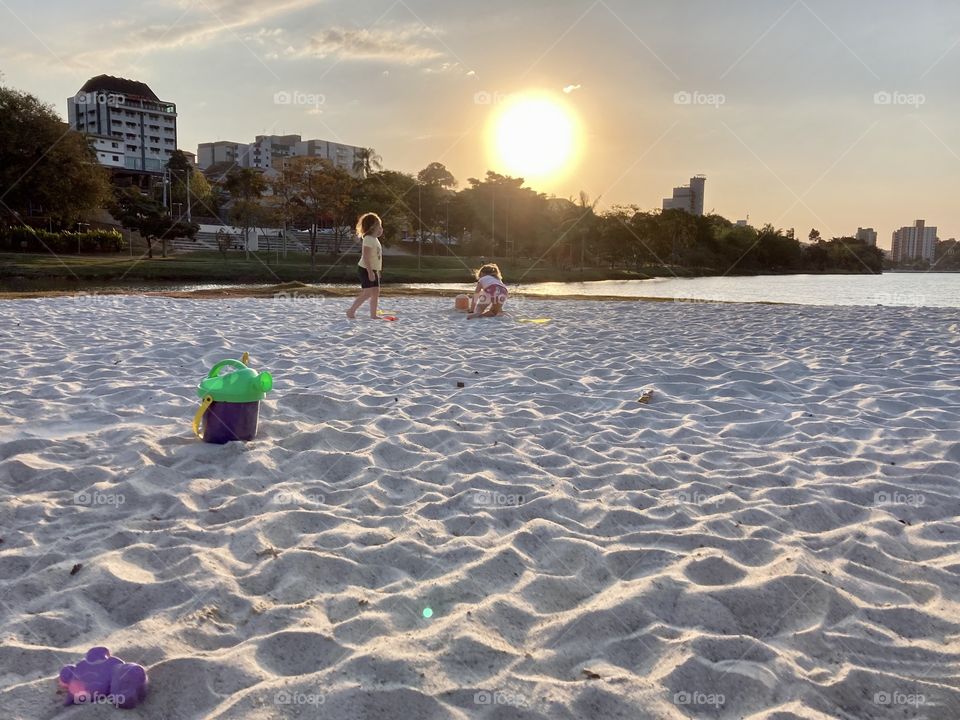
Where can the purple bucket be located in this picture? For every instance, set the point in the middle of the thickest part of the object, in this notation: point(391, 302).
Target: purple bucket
point(226, 421)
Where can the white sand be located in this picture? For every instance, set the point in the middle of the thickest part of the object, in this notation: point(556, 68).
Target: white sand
point(773, 536)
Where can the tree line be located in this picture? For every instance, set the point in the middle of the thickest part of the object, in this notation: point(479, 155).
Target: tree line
point(46, 166)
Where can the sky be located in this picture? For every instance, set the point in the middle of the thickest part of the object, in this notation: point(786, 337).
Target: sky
point(801, 113)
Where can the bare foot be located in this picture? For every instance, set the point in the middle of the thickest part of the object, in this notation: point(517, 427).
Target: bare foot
point(351, 316)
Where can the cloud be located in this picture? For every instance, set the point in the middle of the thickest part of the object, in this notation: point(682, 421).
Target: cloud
point(570, 88)
point(444, 69)
point(183, 23)
point(395, 45)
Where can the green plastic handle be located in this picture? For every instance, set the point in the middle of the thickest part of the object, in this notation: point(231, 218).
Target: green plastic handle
point(235, 364)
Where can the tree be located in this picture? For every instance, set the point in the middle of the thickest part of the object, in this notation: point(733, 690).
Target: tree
point(182, 175)
point(580, 225)
point(286, 205)
point(393, 196)
point(366, 161)
point(504, 212)
point(45, 167)
point(814, 235)
point(437, 174)
point(246, 186)
point(323, 192)
point(138, 212)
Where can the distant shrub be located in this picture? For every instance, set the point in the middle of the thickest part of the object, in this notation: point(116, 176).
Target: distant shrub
point(23, 238)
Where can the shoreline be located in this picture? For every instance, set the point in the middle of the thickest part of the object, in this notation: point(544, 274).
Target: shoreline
point(293, 291)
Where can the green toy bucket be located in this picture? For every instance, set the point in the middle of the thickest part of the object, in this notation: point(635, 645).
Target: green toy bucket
point(230, 406)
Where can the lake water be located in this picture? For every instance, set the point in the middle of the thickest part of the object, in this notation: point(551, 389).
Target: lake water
point(891, 289)
point(900, 289)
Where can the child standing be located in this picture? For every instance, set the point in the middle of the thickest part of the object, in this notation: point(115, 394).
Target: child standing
point(490, 293)
point(369, 229)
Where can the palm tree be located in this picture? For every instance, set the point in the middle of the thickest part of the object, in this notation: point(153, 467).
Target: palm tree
point(366, 161)
point(580, 224)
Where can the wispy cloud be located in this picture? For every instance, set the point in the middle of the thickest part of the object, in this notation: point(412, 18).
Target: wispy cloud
point(404, 45)
point(570, 88)
point(183, 23)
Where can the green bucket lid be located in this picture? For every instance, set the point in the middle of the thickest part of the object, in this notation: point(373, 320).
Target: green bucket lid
point(240, 386)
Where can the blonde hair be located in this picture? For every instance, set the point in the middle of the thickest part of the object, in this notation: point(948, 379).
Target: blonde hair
point(489, 269)
point(367, 222)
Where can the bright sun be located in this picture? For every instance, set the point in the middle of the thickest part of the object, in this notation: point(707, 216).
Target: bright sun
point(533, 137)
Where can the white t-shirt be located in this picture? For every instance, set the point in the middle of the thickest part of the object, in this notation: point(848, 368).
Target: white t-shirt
point(489, 281)
point(371, 242)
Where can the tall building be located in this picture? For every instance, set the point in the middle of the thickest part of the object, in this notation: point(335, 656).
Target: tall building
point(129, 127)
point(918, 242)
point(223, 151)
point(867, 235)
point(268, 152)
point(688, 197)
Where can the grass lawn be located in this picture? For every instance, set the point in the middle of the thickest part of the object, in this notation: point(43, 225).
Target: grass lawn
point(203, 267)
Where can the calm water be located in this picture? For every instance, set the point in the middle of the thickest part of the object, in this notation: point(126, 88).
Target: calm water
point(903, 289)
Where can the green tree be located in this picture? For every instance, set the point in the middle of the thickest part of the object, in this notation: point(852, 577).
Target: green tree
point(46, 168)
point(580, 225)
point(322, 192)
point(136, 211)
point(246, 187)
point(393, 196)
point(508, 219)
point(437, 174)
point(182, 175)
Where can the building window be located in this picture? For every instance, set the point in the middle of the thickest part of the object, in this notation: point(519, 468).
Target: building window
point(116, 159)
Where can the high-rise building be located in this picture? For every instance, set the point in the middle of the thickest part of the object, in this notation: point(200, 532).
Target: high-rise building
point(688, 197)
point(223, 151)
point(918, 242)
point(268, 152)
point(867, 235)
point(129, 127)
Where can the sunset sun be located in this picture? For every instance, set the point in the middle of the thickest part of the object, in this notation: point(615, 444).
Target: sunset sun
point(534, 137)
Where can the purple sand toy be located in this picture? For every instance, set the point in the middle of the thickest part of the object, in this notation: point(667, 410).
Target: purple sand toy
point(99, 677)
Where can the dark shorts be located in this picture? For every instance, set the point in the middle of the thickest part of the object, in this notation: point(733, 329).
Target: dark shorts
point(365, 281)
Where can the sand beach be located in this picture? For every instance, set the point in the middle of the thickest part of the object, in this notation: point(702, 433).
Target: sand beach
point(774, 534)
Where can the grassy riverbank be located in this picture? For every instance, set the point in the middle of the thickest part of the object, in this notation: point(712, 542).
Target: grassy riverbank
point(261, 268)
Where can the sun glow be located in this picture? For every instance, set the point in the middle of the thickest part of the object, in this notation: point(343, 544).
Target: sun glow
point(533, 137)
